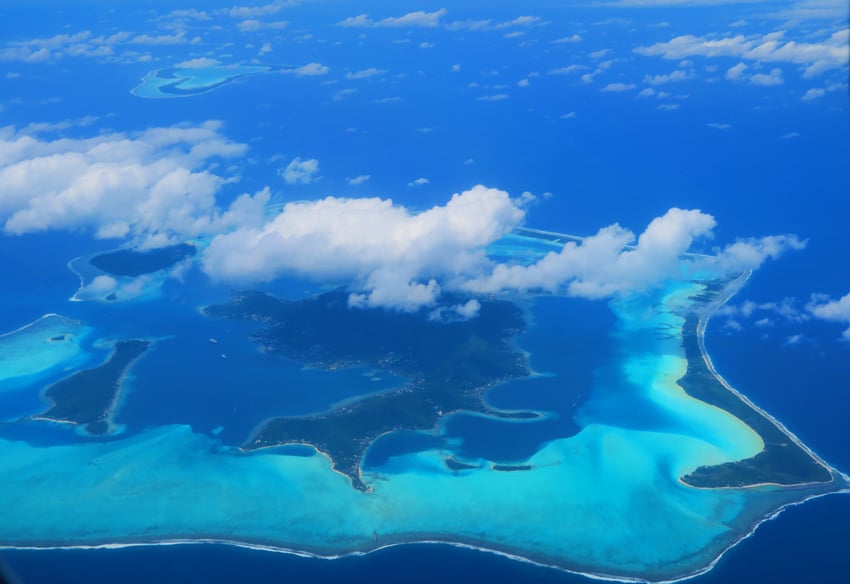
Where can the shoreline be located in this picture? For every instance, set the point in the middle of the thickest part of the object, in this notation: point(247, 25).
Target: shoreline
point(704, 318)
point(281, 549)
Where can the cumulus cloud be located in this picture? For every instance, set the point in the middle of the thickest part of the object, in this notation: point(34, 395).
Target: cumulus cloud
point(392, 256)
point(814, 57)
point(568, 39)
point(300, 171)
point(360, 179)
point(566, 70)
point(489, 25)
point(813, 94)
point(612, 262)
point(418, 182)
point(197, 63)
point(736, 72)
point(834, 310)
point(617, 87)
point(308, 70)
point(677, 75)
point(768, 79)
point(365, 73)
point(153, 184)
point(607, 263)
point(254, 25)
point(418, 18)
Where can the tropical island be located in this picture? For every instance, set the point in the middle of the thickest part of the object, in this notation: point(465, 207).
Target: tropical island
point(784, 460)
point(88, 397)
point(134, 262)
point(449, 366)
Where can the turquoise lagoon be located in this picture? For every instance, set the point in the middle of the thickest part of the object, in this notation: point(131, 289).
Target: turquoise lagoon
point(604, 498)
point(183, 81)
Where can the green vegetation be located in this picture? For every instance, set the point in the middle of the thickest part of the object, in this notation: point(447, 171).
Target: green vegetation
point(449, 366)
point(87, 397)
point(129, 262)
point(782, 461)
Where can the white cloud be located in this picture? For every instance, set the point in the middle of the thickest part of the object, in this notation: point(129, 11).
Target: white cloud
point(567, 69)
point(418, 18)
point(568, 116)
point(749, 254)
point(198, 63)
point(457, 312)
point(308, 70)
point(718, 126)
point(253, 25)
point(667, 107)
point(813, 94)
point(257, 11)
point(391, 257)
point(418, 182)
point(494, 97)
point(677, 75)
point(155, 184)
point(768, 79)
point(815, 58)
point(611, 262)
point(359, 180)
point(834, 310)
point(616, 87)
point(489, 25)
point(568, 39)
point(735, 72)
point(365, 73)
point(807, 10)
point(300, 171)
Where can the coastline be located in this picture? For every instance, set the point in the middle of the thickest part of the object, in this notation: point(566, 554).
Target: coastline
point(705, 315)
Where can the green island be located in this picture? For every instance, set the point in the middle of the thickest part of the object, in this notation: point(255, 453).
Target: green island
point(132, 262)
point(511, 467)
point(783, 461)
point(448, 366)
point(89, 397)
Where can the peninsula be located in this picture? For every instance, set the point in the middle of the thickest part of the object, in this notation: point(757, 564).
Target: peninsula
point(784, 460)
point(88, 397)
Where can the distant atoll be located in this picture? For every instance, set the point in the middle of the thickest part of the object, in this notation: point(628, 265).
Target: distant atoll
point(133, 262)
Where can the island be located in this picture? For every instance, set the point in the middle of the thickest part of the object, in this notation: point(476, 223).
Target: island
point(88, 397)
point(185, 81)
point(784, 460)
point(134, 262)
point(449, 366)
